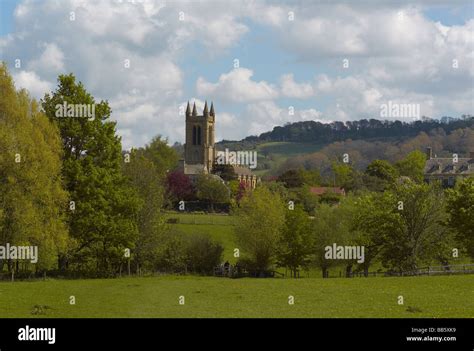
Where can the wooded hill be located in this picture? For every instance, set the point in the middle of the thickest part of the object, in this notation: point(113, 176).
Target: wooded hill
point(313, 145)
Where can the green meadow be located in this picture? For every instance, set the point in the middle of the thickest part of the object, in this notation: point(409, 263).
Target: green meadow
point(432, 297)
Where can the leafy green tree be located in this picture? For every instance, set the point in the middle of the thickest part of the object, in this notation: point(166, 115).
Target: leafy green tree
point(260, 219)
point(102, 218)
point(334, 225)
point(309, 200)
point(296, 242)
point(460, 207)
point(371, 219)
point(211, 189)
point(146, 180)
point(412, 227)
point(380, 175)
point(347, 177)
point(310, 177)
point(291, 179)
point(32, 198)
point(225, 171)
point(330, 226)
point(164, 157)
point(382, 169)
point(412, 166)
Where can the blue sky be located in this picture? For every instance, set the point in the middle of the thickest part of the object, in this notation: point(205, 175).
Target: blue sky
point(398, 51)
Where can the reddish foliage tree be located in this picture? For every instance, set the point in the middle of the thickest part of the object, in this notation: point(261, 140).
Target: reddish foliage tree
point(179, 186)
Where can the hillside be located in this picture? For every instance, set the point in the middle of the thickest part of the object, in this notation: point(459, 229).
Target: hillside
point(325, 133)
point(313, 145)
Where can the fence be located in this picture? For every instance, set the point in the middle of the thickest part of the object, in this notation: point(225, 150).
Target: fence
point(430, 270)
point(231, 271)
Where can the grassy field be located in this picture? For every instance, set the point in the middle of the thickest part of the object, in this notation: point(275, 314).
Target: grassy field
point(218, 227)
point(434, 297)
point(441, 296)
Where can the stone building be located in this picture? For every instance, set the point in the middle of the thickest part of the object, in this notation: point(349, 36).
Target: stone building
point(447, 170)
point(200, 150)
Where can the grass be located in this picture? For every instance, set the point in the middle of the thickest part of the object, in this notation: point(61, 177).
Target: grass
point(433, 297)
point(218, 227)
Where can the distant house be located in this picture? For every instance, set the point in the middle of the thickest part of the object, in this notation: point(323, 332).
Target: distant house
point(323, 190)
point(446, 170)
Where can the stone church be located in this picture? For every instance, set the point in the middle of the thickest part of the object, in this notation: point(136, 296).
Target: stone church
point(200, 150)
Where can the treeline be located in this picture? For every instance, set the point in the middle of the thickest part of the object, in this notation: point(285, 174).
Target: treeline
point(405, 226)
point(325, 133)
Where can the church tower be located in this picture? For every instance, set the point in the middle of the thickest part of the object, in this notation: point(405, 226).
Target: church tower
point(199, 149)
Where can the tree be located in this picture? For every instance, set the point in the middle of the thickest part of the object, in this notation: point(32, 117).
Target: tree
point(412, 228)
point(342, 174)
point(412, 166)
point(225, 171)
point(382, 169)
point(296, 242)
point(380, 175)
point(310, 177)
point(291, 178)
point(371, 219)
point(102, 218)
point(212, 189)
point(333, 225)
point(32, 197)
point(146, 180)
point(179, 186)
point(309, 200)
point(328, 229)
point(164, 157)
point(260, 219)
point(460, 207)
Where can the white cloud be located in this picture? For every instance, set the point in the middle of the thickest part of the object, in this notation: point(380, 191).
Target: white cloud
point(267, 114)
point(237, 86)
point(30, 81)
point(50, 60)
point(405, 59)
point(289, 88)
point(145, 97)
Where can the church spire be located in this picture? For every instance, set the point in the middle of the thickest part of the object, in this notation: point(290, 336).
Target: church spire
point(205, 112)
point(194, 109)
point(212, 110)
point(188, 110)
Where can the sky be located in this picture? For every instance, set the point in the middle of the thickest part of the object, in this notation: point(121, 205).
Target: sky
point(262, 63)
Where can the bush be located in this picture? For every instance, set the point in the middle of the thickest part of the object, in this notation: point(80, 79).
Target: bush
point(202, 254)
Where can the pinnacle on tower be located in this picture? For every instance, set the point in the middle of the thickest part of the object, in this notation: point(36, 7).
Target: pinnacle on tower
point(212, 110)
point(194, 110)
point(205, 112)
point(188, 110)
